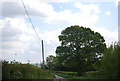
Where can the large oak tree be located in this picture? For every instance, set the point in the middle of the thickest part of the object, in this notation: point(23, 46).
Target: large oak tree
point(80, 47)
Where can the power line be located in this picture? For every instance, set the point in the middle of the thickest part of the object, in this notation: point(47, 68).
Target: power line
point(34, 29)
point(30, 21)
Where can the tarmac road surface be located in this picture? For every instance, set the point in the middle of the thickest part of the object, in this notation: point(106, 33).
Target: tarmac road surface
point(59, 78)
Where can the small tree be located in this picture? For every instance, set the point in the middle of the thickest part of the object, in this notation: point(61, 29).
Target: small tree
point(50, 60)
point(80, 47)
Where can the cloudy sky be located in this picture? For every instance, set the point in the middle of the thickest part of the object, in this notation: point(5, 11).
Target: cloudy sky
point(18, 40)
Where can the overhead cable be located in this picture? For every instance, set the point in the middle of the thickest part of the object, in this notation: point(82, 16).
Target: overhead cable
point(30, 21)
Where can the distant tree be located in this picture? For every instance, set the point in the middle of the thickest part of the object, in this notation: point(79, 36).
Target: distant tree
point(80, 48)
point(51, 61)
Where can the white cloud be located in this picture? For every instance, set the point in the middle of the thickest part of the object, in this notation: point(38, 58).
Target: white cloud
point(109, 36)
point(16, 36)
point(87, 15)
point(46, 12)
point(56, 1)
point(51, 36)
point(87, 9)
point(107, 13)
point(61, 1)
point(19, 38)
point(16, 9)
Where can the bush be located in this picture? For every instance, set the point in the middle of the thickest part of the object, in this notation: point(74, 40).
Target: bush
point(109, 63)
point(23, 71)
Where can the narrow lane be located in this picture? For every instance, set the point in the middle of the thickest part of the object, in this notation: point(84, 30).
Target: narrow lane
point(59, 78)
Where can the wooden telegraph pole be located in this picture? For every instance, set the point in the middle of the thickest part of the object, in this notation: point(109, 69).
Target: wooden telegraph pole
point(43, 53)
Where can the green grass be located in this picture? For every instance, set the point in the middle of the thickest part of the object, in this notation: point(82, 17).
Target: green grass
point(63, 75)
point(73, 75)
point(67, 72)
point(70, 76)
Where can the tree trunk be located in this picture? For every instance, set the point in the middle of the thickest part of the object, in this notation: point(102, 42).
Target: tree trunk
point(80, 70)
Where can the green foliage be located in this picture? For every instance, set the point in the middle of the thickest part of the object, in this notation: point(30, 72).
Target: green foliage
point(109, 63)
point(80, 48)
point(23, 71)
point(51, 61)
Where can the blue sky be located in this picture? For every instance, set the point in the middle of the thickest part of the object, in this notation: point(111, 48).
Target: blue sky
point(50, 18)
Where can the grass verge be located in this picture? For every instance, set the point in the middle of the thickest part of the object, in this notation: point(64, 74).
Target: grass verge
point(73, 75)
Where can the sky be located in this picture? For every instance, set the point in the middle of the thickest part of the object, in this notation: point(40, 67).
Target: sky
point(18, 40)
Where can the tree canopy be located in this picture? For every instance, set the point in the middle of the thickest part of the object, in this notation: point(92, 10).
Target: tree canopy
point(80, 47)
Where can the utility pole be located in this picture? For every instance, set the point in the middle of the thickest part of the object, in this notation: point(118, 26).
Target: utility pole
point(43, 53)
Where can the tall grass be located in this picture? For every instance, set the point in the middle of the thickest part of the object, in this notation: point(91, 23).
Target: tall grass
point(24, 71)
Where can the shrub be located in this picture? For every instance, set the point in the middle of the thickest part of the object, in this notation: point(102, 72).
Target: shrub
point(109, 63)
point(23, 71)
